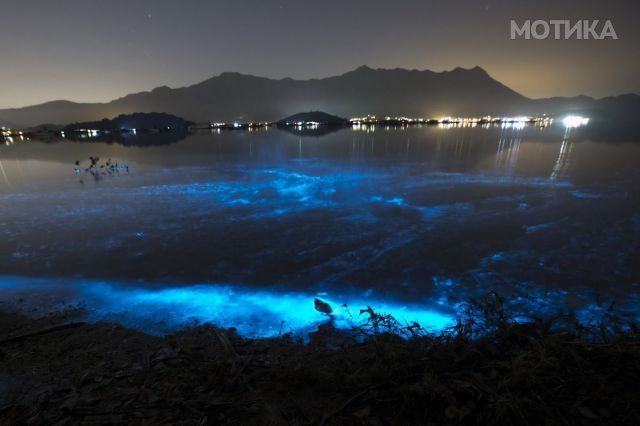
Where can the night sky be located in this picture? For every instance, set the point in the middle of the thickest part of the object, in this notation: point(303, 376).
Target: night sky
point(91, 51)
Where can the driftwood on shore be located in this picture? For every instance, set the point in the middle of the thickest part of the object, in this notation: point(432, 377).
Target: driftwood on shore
point(48, 330)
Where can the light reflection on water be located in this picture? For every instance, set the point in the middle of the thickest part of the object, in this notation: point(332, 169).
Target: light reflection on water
point(405, 221)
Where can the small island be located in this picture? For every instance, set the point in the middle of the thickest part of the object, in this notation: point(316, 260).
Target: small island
point(313, 123)
point(125, 123)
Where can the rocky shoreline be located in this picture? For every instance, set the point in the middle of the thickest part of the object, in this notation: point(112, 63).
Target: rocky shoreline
point(60, 370)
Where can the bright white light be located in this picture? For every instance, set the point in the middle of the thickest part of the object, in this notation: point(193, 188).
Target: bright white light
point(575, 121)
point(520, 119)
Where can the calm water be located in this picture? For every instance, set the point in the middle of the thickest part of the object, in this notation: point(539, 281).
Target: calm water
point(246, 228)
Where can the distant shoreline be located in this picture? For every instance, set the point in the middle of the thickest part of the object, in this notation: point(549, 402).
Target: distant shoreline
point(355, 123)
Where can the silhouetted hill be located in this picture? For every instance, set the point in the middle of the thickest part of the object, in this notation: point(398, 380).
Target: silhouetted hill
point(56, 112)
point(233, 96)
point(315, 117)
point(561, 104)
point(148, 121)
point(312, 123)
point(44, 128)
point(4, 123)
point(615, 118)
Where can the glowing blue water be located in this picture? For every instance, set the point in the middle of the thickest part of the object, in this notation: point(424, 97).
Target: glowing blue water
point(253, 312)
point(260, 313)
point(407, 222)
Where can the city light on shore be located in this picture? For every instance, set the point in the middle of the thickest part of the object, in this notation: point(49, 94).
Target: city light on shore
point(575, 121)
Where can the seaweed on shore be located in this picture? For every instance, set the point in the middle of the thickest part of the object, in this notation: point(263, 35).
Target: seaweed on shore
point(487, 369)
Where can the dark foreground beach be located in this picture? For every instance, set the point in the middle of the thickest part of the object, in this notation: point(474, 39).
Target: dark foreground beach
point(60, 370)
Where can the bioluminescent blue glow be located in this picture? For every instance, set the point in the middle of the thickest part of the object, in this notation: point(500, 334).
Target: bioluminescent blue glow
point(257, 313)
point(261, 313)
point(253, 312)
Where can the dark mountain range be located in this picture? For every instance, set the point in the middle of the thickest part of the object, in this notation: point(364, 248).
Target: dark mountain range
point(4, 123)
point(233, 96)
